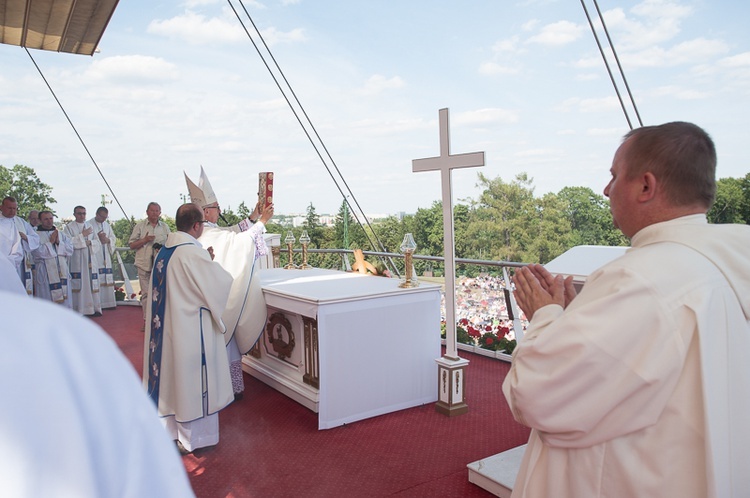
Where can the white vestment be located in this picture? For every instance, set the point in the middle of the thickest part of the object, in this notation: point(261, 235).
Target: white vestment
point(75, 419)
point(9, 281)
point(10, 241)
point(189, 376)
point(26, 268)
point(84, 280)
point(52, 276)
point(235, 251)
point(103, 263)
point(641, 387)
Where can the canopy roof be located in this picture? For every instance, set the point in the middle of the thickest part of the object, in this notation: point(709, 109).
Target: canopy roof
point(72, 26)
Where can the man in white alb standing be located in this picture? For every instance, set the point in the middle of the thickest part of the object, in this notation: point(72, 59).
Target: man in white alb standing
point(103, 257)
point(29, 242)
point(236, 249)
point(52, 276)
point(84, 279)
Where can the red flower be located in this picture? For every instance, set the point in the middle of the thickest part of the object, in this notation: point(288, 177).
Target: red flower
point(502, 331)
point(474, 332)
point(464, 321)
point(488, 328)
point(489, 341)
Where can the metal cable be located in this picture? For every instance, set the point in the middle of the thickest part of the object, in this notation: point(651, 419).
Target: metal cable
point(619, 66)
point(79, 137)
point(609, 71)
point(344, 195)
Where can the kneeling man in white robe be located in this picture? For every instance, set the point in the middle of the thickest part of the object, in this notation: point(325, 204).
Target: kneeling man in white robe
point(185, 370)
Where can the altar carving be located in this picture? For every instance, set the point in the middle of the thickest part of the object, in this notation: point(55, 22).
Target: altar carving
point(280, 335)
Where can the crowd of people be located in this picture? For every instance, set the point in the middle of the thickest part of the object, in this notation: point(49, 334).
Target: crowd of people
point(480, 302)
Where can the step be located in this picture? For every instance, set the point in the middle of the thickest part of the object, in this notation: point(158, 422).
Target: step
point(497, 473)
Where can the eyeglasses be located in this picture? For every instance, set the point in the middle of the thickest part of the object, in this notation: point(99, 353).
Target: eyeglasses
point(211, 207)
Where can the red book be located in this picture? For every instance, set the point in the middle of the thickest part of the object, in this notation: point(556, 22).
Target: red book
point(265, 189)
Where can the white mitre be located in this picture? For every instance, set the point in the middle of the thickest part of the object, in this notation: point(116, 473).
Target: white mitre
point(205, 186)
point(196, 194)
point(201, 194)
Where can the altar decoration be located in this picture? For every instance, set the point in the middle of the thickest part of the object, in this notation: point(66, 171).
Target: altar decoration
point(361, 265)
point(407, 247)
point(290, 240)
point(304, 239)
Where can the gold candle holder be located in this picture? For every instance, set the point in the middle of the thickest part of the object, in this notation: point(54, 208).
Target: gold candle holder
point(407, 247)
point(289, 245)
point(304, 240)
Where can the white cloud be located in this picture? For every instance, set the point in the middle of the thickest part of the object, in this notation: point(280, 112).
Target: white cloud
point(537, 153)
point(685, 53)
point(486, 116)
point(604, 132)
point(557, 33)
point(377, 83)
point(739, 60)
point(656, 21)
point(507, 45)
point(587, 76)
point(197, 29)
point(495, 68)
point(678, 93)
point(274, 36)
point(604, 104)
point(140, 69)
point(530, 25)
point(190, 4)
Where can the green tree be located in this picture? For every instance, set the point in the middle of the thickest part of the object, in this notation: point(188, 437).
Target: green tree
point(230, 216)
point(732, 201)
point(313, 226)
point(22, 183)
point(513, 207)
point(122, 229)
point(589, 217)
point(346, 223)
point(428, 229)
point(243, 211)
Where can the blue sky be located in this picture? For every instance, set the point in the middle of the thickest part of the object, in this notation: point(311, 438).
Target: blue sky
point(177, 85)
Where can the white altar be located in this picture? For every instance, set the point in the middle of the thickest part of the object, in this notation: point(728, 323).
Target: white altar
point(348, 346)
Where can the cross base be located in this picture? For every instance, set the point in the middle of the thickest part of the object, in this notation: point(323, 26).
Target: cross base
point(451, 386)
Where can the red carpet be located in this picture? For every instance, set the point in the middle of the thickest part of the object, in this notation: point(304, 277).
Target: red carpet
point(270, 445)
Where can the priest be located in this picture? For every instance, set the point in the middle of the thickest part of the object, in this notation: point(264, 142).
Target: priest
point(84, 280)
point(52, 276)
point(236, 249)
point(185, 366)
point(639, 385)
point(29, 242)
point(103, 257)
point(10, 240)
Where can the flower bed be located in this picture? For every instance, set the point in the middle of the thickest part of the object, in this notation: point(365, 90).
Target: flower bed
point(498, 341)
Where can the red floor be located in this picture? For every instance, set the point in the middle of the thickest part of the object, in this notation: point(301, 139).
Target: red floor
point(270, 445)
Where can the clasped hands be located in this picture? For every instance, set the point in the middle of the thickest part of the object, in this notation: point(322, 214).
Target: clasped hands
point(535, 287)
